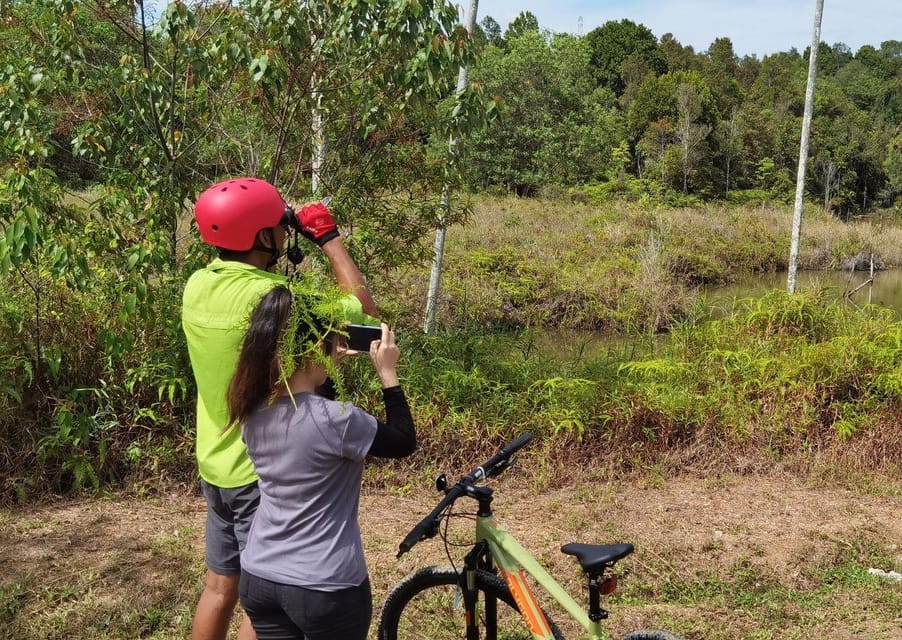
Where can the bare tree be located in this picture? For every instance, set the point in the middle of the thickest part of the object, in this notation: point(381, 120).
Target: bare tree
point(690, 132)
point(830, 173)
point(435, 277)
point(731, 145)
point(803, 150)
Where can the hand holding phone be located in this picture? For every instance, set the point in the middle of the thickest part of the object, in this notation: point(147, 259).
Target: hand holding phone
point(360, 336)
point(384, 355)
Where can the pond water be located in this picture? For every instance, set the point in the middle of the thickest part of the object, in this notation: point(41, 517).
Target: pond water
point(576, 346)
point(886, 289)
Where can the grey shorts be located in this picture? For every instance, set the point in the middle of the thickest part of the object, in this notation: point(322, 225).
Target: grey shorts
point(229, 516)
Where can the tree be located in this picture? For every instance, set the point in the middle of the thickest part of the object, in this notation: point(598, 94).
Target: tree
point(554, 127)
point(679, 57)
point(893, 165)
point(830, 173)
point(780, 83)
point(720, 72)
point(522, 24)
point(803, 149)
point(729, 132)
point(749, 67)
point(491, 30)
point(613, 43)
point(691, 134)
point(652, 151)
point(675, 110)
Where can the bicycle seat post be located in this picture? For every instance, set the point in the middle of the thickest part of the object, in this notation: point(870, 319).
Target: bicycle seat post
point(596, 613)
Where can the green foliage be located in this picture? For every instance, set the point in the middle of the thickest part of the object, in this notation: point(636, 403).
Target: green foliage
point(152, 115)
point(141, 118)
point(553, 126)
point(782, 365)
point(526, 21)
point(615, 45)
point(783, 373)
point(12, 597)
point(568, 405)
point(893, 162)
point(702, 124)
point(749, 196)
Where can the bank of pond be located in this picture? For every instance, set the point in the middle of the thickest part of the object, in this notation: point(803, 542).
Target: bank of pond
point(764, 376)
point(882, 288)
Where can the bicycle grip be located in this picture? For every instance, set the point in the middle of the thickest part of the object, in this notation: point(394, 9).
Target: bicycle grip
point(418, 533)
point(498, 462)
point(428, 526)
point(517, 444)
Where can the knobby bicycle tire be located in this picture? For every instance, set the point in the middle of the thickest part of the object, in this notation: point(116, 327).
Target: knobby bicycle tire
point(427, 605)
point(652, 634)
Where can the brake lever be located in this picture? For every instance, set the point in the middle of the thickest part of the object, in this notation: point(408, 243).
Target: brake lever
point(503, 466)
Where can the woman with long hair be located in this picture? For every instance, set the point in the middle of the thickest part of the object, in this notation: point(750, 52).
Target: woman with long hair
point(303, 573)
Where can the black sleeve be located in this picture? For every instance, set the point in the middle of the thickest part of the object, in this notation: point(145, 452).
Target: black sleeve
point(396, 437)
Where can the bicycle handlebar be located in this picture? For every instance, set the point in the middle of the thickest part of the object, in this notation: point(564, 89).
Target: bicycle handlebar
point(492, 467)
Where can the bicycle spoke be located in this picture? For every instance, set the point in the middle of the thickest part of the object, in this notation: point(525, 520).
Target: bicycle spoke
point(433, 609)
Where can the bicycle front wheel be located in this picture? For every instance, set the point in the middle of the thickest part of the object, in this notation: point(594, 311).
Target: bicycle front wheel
point(428, 605)
point(652, 634)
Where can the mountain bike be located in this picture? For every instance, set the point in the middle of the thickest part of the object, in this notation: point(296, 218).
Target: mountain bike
point(489, 596)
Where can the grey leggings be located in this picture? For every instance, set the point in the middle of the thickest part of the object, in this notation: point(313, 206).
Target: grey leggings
point(286, 612)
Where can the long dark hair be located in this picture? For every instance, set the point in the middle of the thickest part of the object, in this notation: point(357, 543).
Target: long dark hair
point(259, 368)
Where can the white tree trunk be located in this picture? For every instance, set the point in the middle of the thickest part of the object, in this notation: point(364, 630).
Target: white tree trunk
point(803, 150)
point(435, 277)
point(319, 141)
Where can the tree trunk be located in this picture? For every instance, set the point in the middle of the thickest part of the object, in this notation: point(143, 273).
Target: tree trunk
point(435, 277)
point(803, 150)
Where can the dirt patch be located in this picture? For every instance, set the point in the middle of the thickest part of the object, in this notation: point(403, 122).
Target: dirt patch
point(698, 543)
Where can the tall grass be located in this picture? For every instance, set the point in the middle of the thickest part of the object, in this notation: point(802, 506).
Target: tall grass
point(784, 377)
point(622, 267)
point(87, 399)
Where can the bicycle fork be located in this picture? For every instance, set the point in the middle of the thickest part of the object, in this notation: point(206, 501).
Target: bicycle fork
point(480, 557)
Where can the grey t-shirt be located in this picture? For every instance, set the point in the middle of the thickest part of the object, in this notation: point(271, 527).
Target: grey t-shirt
point(310, 461)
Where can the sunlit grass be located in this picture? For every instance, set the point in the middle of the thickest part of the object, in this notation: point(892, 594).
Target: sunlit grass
point(622, 267)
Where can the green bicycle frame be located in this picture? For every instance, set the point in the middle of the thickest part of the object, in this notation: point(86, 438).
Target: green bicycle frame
point(512, 561)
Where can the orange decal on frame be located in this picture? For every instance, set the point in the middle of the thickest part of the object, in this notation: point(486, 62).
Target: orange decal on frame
point(526, 603)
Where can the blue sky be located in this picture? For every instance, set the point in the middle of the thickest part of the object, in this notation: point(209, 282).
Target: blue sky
point(755, 26)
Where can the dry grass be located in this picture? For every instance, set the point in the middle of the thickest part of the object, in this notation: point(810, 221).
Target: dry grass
point(718, 557)
point(622, 266)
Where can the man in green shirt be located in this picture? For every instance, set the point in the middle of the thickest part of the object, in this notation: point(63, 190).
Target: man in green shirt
point(248, 221)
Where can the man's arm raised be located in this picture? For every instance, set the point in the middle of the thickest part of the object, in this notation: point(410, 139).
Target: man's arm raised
point(348, 276)
point(318, 225)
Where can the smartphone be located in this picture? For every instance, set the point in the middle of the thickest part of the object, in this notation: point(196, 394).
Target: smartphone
point(360, 336)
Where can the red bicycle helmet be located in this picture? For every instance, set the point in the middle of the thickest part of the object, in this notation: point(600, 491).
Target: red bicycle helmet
point(230, 213)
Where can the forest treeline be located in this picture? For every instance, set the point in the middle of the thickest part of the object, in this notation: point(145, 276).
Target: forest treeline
point(112, 122)
point(619, 106)
point(615, 111)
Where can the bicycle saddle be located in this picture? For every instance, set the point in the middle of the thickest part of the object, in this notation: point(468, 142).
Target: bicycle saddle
point(595, 558)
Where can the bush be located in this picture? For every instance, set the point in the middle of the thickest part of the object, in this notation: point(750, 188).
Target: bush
point(96, 406)
point(749, 196)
